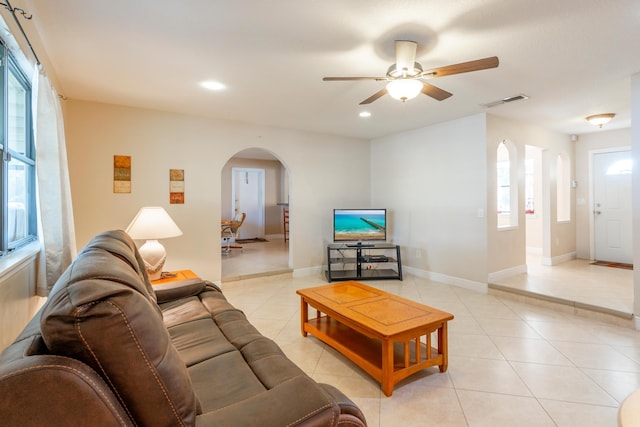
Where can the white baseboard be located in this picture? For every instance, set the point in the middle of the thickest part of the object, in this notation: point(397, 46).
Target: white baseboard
point(436, 277)
point(448, 280)
point(558, 259)
point(309, 271)
point(636, 322)
point(508, 272)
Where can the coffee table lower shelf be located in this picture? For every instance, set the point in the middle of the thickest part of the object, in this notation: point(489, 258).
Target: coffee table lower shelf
point(368, 353)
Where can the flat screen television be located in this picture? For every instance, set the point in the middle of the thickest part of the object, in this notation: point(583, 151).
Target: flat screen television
point(359, 225)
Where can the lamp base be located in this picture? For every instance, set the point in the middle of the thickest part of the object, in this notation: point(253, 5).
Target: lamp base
point(154, 255)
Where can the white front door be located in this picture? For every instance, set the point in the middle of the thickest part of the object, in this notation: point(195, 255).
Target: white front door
point(248, 197)
point(612, 206)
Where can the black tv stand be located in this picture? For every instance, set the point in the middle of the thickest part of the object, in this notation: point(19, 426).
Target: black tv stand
point(368, 261)
point(360, 245)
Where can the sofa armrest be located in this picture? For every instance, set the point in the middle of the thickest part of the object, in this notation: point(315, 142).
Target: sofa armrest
point(299, 401)
point(347, 407)
point(56, 391)
point(179, 289)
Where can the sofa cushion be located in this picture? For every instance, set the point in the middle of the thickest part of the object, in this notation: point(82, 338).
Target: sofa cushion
point(102, 313)
point(199, 340)
point(224, 380)
point(299, 401)
point(182, 311)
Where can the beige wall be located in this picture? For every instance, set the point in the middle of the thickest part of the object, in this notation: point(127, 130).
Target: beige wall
point(635, 185)
point(325, 172)
point(437, 182)
point(18, 300)
point(599, 141)
point(507, 248)
point(433, 182)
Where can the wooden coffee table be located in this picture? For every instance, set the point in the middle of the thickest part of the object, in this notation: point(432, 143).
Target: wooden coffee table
point(380, 332)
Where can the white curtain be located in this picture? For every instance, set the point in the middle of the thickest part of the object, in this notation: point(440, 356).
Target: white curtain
point(55, 212)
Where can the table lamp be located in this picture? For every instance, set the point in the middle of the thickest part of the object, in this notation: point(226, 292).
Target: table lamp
point(153, 223)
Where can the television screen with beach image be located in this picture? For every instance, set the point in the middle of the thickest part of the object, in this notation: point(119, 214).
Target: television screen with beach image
point(359, 225)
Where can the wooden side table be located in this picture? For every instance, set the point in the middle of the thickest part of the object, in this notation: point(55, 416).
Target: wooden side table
point(175, 276)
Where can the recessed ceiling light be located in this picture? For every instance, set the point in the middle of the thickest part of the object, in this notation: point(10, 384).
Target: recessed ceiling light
point(213, 85)
point(365, 114)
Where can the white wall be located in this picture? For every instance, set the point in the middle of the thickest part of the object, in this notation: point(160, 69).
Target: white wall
point(586, 144)
point(433, 182)
point(326, 172)
point(635, 185)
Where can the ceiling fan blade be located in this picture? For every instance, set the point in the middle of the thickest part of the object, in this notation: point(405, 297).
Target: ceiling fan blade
point(435, 92)
point(464, 67)
point(405, 54)
point(375, 96)
point(345, 79)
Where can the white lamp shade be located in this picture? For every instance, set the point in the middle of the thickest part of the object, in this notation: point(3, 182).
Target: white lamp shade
point(153, 223)
point(403, 89)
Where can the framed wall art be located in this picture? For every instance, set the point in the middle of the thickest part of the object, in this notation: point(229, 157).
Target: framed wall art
point(122, 174)
point(176, 186)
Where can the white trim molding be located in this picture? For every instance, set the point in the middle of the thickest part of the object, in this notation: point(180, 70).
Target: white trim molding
point(558, 259)
point(448, 280)
point(508, 272)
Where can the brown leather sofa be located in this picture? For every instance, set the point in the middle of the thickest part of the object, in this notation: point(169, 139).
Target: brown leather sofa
point(108, 349)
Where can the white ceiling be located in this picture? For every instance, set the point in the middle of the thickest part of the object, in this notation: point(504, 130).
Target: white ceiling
point(572, 57)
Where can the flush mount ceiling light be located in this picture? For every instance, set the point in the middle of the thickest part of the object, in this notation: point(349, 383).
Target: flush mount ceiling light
point(600, 119)
point(403, 89)
point(365, 114)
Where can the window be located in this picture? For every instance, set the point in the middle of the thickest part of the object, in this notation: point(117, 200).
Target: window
point(621, 167)
point(529, 187)
point(507, 191)
point(17, 165)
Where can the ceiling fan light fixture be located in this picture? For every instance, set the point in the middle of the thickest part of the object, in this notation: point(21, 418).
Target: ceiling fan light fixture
point(404, 89)
point(600, 119)
point(395, 72)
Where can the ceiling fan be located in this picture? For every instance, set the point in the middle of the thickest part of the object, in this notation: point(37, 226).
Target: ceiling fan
point(406, 77)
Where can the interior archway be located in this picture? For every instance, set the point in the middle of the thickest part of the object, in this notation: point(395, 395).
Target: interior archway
point(258, 247)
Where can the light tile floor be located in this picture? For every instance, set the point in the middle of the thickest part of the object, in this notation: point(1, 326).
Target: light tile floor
point(511, 364)
point(577, 281)
point(260, 258)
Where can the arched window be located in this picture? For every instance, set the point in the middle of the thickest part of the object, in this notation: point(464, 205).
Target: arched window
point(563, 188)
point(507, 191)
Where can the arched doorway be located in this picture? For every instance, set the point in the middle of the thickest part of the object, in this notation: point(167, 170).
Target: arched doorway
point(255, 182)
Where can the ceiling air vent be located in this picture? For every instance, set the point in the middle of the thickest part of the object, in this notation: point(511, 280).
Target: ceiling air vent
point(506, 100)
